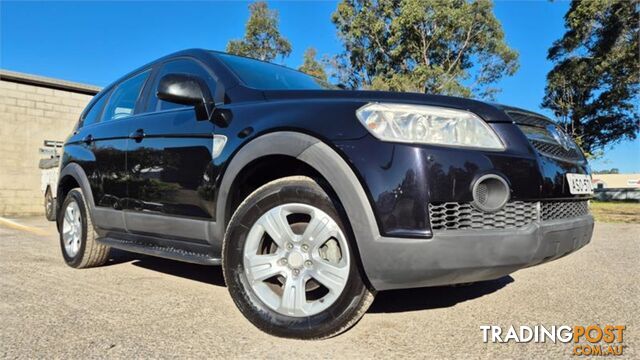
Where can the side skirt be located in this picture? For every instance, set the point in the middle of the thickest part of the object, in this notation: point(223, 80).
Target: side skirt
point(169, 249)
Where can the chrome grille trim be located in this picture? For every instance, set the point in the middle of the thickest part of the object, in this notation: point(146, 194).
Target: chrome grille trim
point(516, 214)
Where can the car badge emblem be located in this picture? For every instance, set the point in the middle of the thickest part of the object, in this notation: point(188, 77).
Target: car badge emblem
point(560, 137)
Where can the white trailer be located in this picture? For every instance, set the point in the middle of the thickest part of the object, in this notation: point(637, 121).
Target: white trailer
point(49, 169)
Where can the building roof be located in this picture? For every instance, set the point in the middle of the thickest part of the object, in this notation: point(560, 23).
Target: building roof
point(48, 82)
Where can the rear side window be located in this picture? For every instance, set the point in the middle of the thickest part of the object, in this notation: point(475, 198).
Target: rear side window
point(122, 102)
point(93, 116)
point(179, 66)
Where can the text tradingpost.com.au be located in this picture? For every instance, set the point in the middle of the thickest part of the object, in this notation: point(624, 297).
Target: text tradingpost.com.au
point(586, 340)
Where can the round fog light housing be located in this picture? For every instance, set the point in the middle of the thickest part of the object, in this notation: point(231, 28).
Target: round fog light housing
point(490, 193)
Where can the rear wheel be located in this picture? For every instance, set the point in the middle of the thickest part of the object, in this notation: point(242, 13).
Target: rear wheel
point(80, 248)
point(289, 262)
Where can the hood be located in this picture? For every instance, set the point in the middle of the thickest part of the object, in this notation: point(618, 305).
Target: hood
point(489, 112)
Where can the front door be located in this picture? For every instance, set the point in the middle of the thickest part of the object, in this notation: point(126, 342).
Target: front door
point(169, 163)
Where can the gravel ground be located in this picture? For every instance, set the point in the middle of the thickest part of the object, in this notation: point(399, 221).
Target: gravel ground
point(140, 306)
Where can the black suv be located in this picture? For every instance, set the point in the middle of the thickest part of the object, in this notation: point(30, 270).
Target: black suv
point(313, 198)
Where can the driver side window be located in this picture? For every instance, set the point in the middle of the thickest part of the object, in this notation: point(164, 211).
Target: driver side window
point(179, 66)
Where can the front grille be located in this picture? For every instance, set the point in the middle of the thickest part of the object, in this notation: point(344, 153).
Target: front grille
point(556, 151)
point(553, 210)
point(544, 136)
point(528, 119)
point(515, 214)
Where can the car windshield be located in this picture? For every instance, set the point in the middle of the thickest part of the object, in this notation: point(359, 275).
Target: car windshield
point(266, 76)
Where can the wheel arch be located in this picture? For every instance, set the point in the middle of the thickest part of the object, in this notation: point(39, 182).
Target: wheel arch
point(261, 171)
point(73, 176)
point(322, 160)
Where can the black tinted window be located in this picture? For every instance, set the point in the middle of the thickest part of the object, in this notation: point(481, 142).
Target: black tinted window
point(263, 75)
point(93, 116)
point(179, 66)
point(122, 102)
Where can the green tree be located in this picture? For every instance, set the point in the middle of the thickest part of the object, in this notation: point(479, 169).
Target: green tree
point(262, 39)
point(452, 47)
point(312, 66)
point(593, 87)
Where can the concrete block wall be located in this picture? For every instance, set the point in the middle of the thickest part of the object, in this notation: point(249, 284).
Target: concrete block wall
point(29, 114)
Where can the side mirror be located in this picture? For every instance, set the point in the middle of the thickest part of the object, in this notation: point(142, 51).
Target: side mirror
point(187, 90)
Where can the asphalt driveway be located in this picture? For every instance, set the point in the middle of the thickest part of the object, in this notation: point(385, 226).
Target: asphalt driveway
point(139, 306)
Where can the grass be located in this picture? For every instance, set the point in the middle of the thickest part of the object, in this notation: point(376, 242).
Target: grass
point(616, 212)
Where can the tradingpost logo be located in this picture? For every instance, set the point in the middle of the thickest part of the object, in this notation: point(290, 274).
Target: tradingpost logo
point(590, 340)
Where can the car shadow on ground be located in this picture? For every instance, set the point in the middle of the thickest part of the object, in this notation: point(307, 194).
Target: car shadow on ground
point(434, 297)
point(390, 301)
point(206, 274)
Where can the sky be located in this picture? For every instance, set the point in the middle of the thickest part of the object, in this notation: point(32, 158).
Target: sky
point(97, 42)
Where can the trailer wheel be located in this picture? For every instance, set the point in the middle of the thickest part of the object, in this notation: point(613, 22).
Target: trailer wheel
point(49, 205)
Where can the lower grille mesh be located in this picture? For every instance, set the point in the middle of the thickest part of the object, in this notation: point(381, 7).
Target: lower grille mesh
point(515, 214)
point(552, 210)
point(453, 215)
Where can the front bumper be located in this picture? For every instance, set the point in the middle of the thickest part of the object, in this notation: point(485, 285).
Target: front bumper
point(401, 180)
point(463, 256)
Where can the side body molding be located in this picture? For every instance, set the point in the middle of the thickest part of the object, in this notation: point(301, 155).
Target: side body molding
point(306, 148)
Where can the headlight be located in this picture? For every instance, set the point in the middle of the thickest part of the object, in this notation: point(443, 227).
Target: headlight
point(427, 125)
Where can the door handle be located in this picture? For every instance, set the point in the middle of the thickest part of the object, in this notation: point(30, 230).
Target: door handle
point(137, 135)
point(88, 139)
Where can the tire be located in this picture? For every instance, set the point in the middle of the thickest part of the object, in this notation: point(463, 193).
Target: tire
point(49, 205)
point(301, 262)
point(83, 251)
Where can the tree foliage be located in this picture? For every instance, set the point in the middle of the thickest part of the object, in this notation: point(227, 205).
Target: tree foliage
point(262, 39)
point(312, 66)
point(593, 87)
point(452, 47)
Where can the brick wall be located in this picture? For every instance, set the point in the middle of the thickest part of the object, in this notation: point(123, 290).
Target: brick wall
point(29, 114)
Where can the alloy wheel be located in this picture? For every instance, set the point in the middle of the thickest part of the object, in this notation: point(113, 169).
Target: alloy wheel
point(296, 259)
point(72, 229)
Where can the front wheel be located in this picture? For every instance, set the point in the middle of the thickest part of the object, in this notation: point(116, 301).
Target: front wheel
point(290, 264)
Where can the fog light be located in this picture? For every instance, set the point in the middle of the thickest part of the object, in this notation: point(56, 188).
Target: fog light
point(490, 193)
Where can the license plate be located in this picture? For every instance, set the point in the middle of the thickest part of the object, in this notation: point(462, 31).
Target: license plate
point(579, 184)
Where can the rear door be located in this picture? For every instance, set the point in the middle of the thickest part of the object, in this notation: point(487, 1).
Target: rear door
point(169, 164)
point(111, 138)
point(105, 133)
